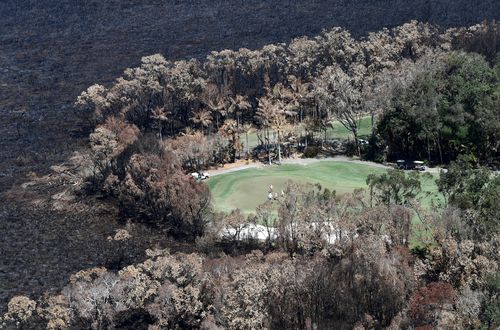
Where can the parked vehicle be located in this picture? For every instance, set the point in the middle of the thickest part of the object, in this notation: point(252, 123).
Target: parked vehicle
point(410, 165)
point(419, 165)
point(401, 164)
point(200, 176)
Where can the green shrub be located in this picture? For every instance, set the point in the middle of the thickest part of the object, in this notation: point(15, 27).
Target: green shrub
point(311, 152)
point(350, 148)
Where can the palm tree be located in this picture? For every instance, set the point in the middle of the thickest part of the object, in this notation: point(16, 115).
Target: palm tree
point(285, 96)
point(270, 114)
point(229, 130)
point(292, 97)
point(239, 104)
point(215, 99)
point(202, 117)
point(161, 116)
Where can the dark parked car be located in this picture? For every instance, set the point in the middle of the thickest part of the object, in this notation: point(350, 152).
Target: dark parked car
point(401, 164)
point(410, 165)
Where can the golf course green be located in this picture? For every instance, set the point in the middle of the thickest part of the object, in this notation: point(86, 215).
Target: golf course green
point(245, 189)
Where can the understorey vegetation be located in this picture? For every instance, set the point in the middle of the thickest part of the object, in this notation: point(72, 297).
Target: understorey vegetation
point(307, 258)
point(326, 262)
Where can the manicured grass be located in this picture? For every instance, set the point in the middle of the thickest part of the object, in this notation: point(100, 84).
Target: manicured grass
point(246, 189)
point(430, 195)
point(337, 131)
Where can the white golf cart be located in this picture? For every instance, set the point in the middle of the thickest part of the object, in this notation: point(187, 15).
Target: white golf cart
point(200, 176)
point(419, 165)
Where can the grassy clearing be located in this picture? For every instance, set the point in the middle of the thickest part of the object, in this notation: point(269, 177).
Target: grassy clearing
point(430, 195)
point(246, 189)
point(336, 132)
